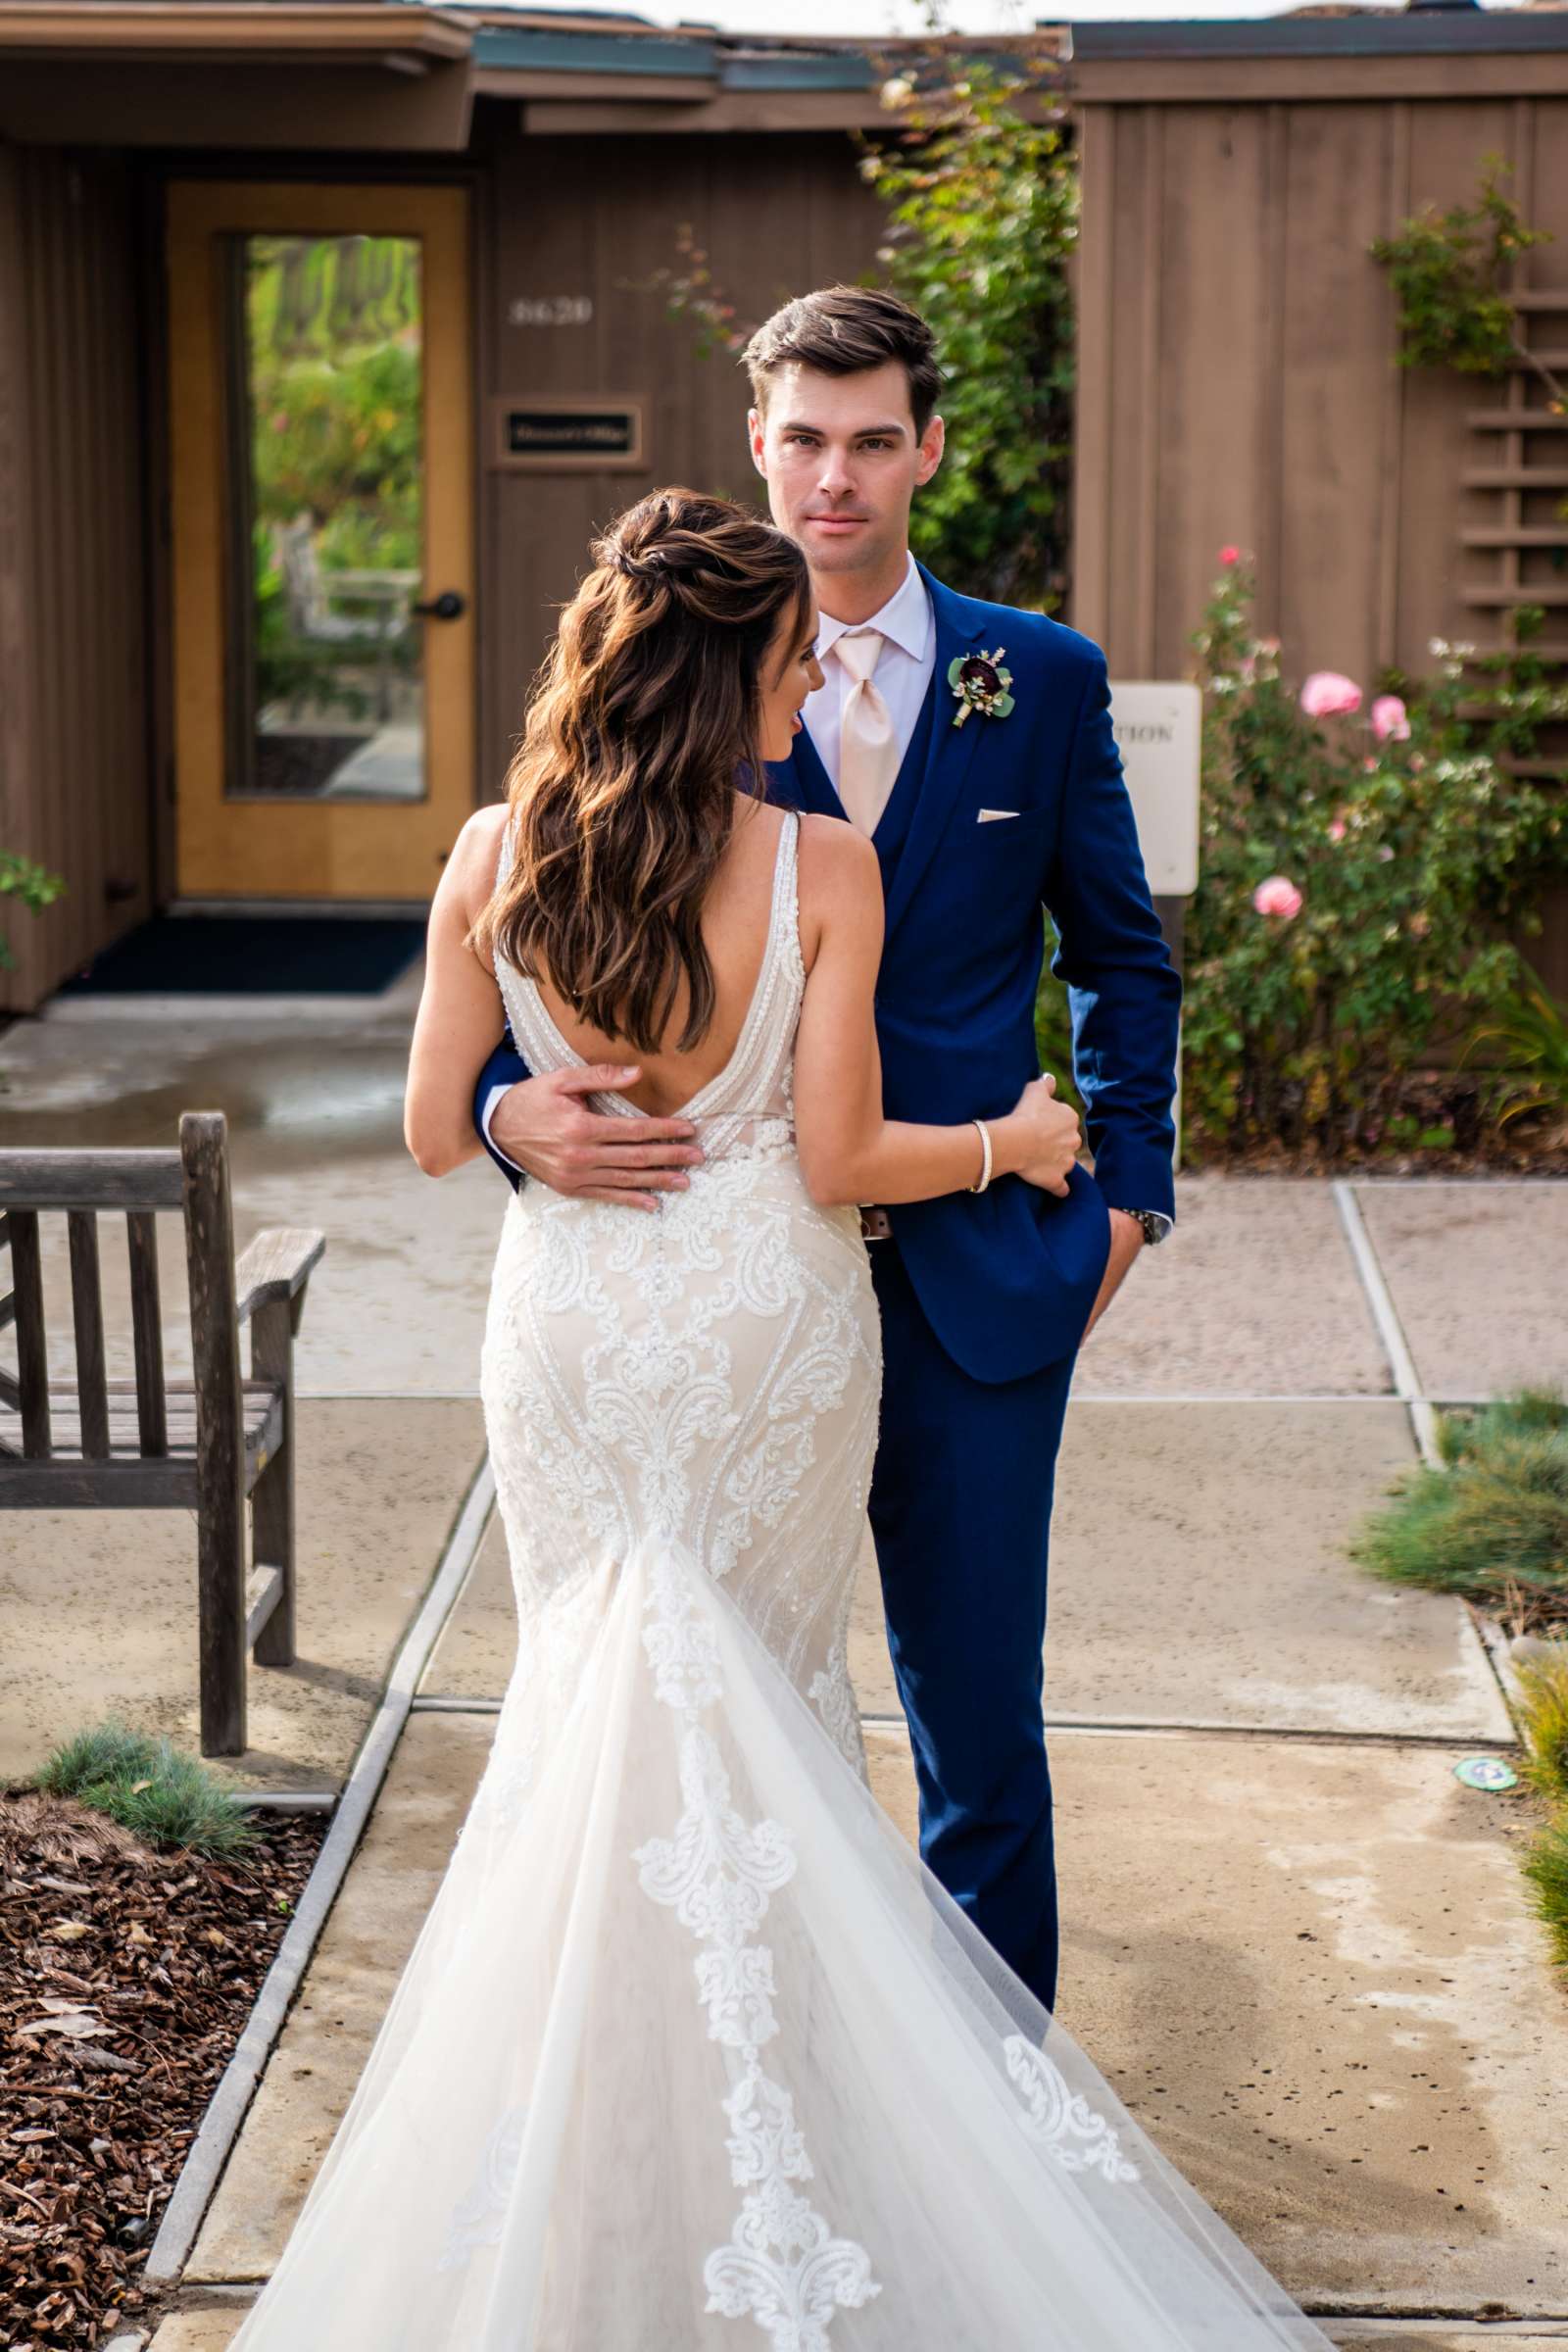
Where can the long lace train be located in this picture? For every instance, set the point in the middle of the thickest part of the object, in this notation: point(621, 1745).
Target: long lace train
point(691, 2038)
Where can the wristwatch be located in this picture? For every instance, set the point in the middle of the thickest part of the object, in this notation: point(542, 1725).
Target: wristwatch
point(1155, 1225)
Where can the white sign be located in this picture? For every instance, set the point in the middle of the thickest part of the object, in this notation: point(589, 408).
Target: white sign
point(1158, 727)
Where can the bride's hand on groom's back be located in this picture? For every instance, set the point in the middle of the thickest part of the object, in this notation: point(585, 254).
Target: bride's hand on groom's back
point(1047, 1137)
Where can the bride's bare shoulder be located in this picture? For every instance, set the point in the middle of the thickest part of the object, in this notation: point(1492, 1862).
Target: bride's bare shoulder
point(835, 857)
point(481, 833)
point(470, 866)
point(840, 884)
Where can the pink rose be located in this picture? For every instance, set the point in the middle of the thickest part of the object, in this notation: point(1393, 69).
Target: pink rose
point(1327, 694)
point(1389, 718)
point(1230, 554)
point(1277, 896)
point(1337, 829)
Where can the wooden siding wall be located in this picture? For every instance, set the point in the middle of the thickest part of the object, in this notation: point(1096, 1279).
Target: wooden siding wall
point(1237, 384)
point(74, 782)
point(778, 215)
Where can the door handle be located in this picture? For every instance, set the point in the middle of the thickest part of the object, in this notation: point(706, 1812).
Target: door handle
point(448, 605)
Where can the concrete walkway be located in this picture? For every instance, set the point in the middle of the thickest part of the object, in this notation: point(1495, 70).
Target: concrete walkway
point(1296, 1943)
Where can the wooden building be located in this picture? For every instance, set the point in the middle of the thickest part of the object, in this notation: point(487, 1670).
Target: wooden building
point(313, 312)
point(1236, 381)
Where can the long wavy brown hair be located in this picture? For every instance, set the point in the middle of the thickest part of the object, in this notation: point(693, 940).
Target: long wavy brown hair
point(644, 722)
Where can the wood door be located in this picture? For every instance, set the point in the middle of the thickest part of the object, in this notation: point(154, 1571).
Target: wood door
point(322, 493)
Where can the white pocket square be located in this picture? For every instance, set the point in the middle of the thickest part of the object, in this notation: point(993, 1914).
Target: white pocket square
point(993, 816)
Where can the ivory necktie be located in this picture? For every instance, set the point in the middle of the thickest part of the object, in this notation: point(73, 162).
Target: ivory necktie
point(868, 749)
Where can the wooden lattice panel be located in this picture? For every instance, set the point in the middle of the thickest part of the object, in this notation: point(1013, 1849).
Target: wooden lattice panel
point(1526, 467)
point(1524, 473)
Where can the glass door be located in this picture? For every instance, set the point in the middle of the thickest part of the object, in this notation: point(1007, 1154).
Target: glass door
point(321, 457)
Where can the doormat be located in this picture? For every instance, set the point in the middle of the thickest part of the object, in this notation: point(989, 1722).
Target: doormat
point(253, 955)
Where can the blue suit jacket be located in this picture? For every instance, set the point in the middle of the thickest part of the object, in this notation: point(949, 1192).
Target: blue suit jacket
point(1007, 1278)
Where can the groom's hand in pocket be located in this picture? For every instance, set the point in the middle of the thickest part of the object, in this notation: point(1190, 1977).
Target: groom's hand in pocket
point(555, 1136)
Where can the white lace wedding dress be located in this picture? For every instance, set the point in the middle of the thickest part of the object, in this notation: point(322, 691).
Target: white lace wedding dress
point(692, 2053)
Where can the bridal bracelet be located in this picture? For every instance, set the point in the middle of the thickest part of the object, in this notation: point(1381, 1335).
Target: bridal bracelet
point(985, 1164)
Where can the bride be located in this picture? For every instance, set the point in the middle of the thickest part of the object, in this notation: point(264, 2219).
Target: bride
point(692, 2053)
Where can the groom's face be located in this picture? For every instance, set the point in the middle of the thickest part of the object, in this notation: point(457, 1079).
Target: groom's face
point(841, 460)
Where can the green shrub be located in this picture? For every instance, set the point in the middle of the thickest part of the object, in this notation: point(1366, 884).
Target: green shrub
point(1528, 1040)
point(1449, 271)
point(1493, 1526)
point(982, 205)
point(148, 1786)
point(1543, 1685)
point(1359, 875)
point(20, 878)
point(1546, 1868)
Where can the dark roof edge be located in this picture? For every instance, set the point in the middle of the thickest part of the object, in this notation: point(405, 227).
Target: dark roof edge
point(1380, 32)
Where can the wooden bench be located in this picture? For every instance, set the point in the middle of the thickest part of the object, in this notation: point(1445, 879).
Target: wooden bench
point(149, 1444)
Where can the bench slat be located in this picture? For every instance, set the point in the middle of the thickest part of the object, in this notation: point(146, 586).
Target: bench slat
point(147, 1330)
point(259, 1409)
point(87, 1316)
point(118, 1178)
point(122, 1483)
point(32, 1357)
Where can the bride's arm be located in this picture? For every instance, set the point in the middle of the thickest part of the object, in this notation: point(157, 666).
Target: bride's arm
point(459, 1009)
point(849, 1152)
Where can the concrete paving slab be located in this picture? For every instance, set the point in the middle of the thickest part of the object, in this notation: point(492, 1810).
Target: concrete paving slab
point(202, 2326)
point(1200, 1574)
point(100, 1606)
point(1478, 1273)
point(1313, 1977)
point(367, 1938)
point(1255, 1294)
point(1425, 2335)
point(1200, 1577)
point(477, 1648)
point(315, 1138)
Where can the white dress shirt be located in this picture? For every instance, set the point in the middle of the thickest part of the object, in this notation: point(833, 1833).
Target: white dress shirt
point(902, 672)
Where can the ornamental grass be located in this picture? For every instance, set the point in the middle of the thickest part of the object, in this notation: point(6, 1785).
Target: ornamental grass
point(1493, 1524)
point(150, 1788)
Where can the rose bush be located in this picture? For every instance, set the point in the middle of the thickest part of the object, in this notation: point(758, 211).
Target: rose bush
point(1360, 877)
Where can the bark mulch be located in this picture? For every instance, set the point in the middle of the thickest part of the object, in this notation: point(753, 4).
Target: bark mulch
point(127, 1974)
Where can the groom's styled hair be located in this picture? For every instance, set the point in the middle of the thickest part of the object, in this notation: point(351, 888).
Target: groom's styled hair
point(844, 330)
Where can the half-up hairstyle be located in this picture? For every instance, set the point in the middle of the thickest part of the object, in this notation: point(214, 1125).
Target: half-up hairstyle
point(645, 723)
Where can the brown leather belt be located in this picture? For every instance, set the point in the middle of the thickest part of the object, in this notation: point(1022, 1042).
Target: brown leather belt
point(875, 1225)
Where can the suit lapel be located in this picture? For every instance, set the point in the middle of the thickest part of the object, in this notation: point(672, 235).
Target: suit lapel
point(960, 626)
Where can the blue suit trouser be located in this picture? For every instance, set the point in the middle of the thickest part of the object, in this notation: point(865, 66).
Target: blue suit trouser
point(960, 1510)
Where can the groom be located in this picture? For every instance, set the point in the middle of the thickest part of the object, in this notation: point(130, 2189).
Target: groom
point(980, 812)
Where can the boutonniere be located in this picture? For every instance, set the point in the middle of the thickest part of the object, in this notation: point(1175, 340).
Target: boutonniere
point(981, 684)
